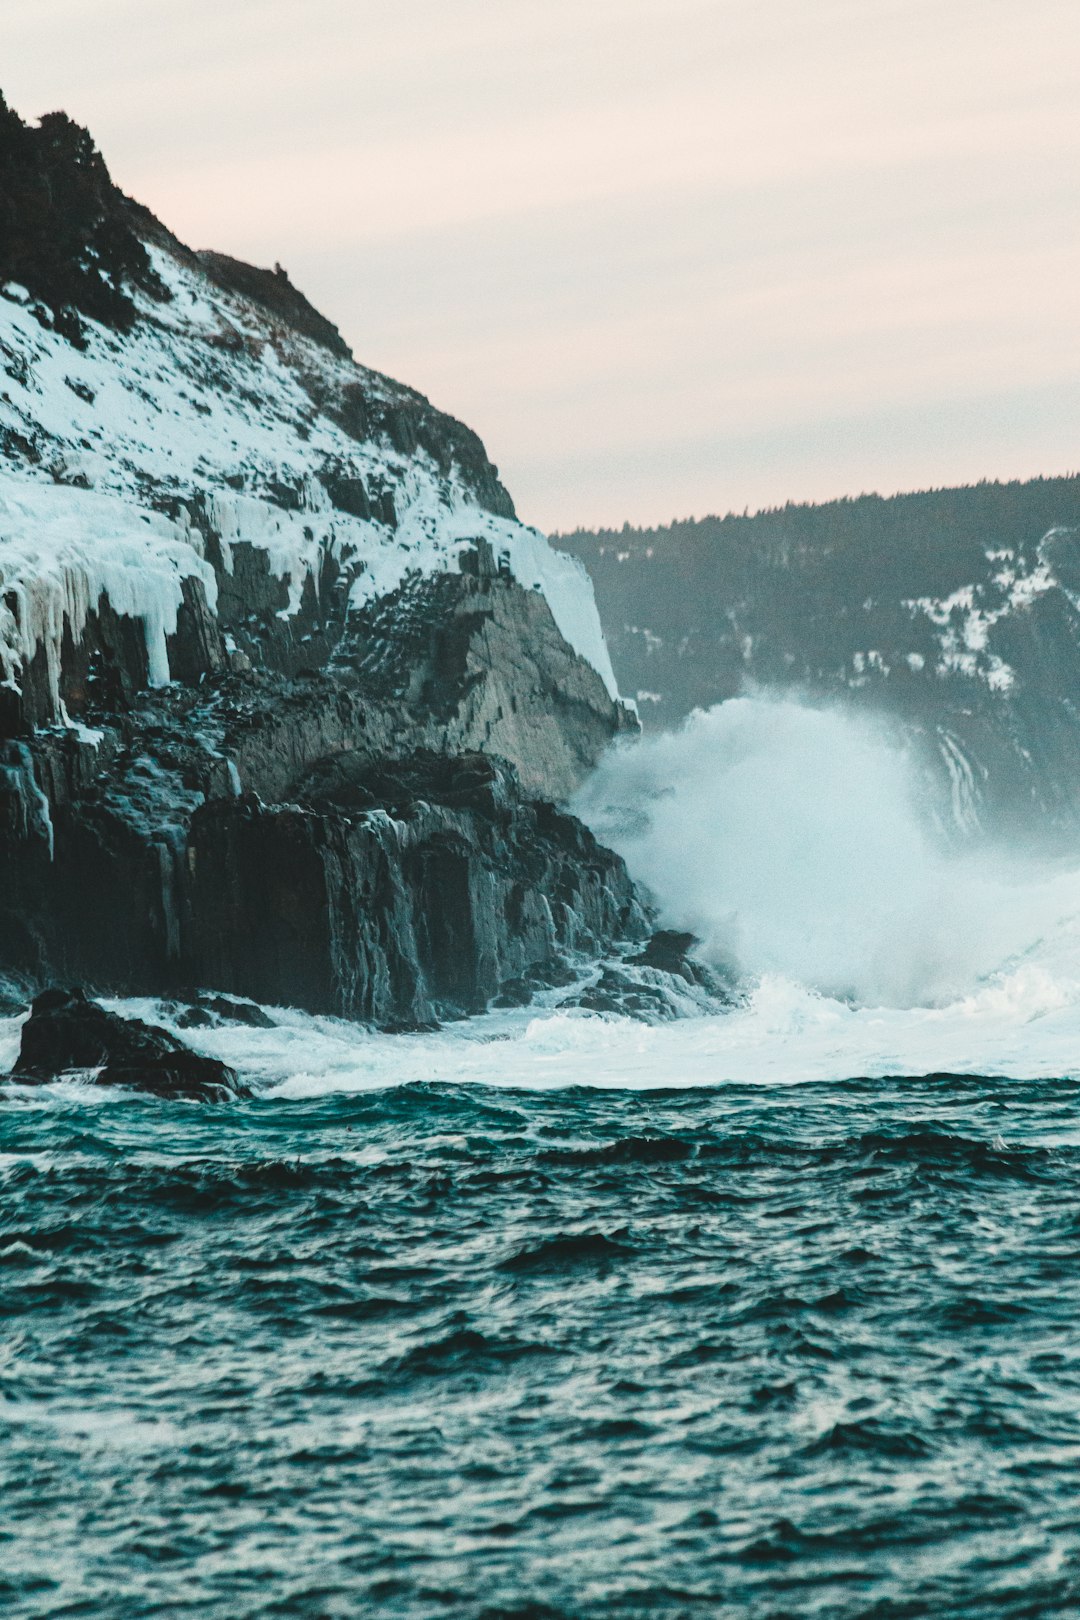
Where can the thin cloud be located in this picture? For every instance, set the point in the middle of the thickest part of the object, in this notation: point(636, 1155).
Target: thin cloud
point(707, 225)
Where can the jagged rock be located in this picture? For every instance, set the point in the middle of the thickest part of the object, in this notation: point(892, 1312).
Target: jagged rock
point(276, 293)
point(209, 1011)
point(669, 952)
point(95, 870)
point(615, 991)
point(663, 980)
point(478, 662)
point(257, 626)
point(66, 1032)
point(397, 891)
point(66, 232)
point(400, 892)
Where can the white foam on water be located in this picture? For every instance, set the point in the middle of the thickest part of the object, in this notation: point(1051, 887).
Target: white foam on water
point(792, 841)
point(1025, 1024)
point(87, 1428)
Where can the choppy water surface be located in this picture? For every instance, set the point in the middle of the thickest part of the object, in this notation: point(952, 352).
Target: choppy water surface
point(449, 1350)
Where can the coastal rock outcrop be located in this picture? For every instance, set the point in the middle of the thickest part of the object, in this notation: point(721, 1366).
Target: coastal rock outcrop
point(398, 891)
point(660, 981)
point(288, 695)
point(68, 1033)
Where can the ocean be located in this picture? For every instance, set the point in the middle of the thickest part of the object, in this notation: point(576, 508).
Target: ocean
point(470, 1350)
point(764, 1314)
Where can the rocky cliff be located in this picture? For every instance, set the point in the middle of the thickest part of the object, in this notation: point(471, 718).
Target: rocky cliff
point(287, 693)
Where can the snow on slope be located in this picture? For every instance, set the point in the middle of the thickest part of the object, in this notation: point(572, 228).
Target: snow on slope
point(210, 397)
point(61, 548)
point(967, 617)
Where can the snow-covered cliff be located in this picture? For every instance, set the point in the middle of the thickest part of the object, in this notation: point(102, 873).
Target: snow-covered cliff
point(214, 422)
point(230, 554)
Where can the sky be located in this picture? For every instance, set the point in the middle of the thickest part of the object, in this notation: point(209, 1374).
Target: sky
point(668, 257)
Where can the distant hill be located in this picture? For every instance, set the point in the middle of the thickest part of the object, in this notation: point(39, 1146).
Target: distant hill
point(956, 609)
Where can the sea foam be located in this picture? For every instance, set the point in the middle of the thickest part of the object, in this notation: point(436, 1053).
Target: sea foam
point(798, 844)
point(801, 842)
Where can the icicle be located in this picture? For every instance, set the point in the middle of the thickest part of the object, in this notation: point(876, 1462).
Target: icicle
point(33, 815)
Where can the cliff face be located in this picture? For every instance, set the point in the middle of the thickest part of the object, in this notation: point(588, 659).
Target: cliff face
point(955, 612)
point(239, 573)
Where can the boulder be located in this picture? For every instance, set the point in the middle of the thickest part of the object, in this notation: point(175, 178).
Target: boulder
point(67, 1031)
point(670, 952)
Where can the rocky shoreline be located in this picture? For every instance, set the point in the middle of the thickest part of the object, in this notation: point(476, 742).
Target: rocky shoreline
point(319, 840)
point(289, 700)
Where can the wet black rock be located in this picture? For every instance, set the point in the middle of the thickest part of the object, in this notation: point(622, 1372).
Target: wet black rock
point(208, 1011)
point(670, 952)
point(332, 839)
point(664, 980)
point(399, 891)
point(67, 1032)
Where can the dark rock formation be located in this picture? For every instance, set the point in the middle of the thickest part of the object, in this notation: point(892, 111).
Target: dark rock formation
point(208, 1011)
point(670, 952)
point(66, 232)
point(343, 799)
point(66, 1032)
point(276, 293)
point(398, 891)
point(257, 834)
point(478, 663)
point(659, 981)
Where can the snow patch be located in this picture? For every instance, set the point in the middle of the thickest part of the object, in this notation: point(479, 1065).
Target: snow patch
point(967, 617)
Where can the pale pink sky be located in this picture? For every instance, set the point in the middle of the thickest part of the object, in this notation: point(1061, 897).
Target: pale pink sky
point(666, 256)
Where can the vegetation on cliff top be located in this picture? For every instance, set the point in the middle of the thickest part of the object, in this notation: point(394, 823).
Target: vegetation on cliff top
point(66, 231)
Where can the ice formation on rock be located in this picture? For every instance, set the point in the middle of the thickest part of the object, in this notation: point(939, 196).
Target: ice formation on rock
point(213, 413)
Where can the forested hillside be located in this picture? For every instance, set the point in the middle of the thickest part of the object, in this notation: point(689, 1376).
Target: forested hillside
point(955, 608)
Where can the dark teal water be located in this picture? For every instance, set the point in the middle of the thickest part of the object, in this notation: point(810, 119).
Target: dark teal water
point(462, 1352)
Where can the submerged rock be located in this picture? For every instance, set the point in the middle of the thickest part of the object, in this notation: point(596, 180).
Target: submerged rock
point(210, 1012)
point(67, 1031)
